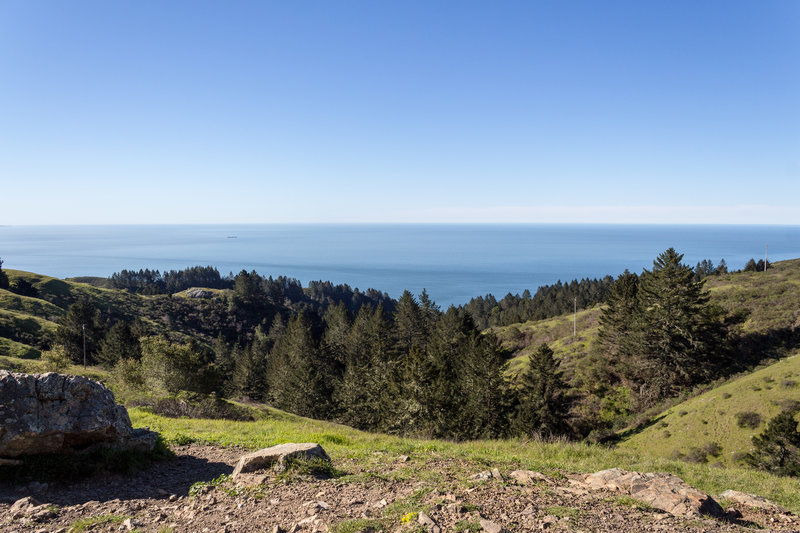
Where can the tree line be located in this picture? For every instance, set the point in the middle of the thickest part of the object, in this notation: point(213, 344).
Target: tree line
point(407, 367)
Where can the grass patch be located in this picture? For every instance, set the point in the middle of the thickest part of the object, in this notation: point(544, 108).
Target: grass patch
point(563, 512)
point(628, 501)
point(357, 525)
point(91, 522)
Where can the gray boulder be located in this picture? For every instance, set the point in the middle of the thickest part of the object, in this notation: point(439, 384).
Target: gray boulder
point(54, 413)
point(276, 456)
point(662, 491)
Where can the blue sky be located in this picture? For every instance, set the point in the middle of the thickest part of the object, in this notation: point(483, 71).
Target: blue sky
point(412, 111)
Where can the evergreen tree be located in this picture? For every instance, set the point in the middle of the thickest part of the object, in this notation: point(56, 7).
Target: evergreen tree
point(81, 318)
point(777, 448)
point(679, 333)
point(297, 375)
point(483, 412)
point(335, 338)
point(352, 397)
point(3, 277)
point(618, 317)
point(441, 399)
point(249, 378)
point(119, 343)
point(410, 324)
point(543, 404)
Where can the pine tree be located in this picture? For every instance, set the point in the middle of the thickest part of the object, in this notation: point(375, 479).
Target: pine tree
point(3, 277)
point(119, 343)
point(679, 333)
point(618, 317)
point(297, 376)
point(441, 400)
point(81, 318)
point(543, 404)
point(777, 448)
point(483, 413)
point(409, 324)
point(352, 397)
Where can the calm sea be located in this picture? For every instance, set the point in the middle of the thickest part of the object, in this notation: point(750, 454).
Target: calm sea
point(454, 262)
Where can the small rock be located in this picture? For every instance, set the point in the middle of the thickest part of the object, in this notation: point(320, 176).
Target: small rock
point(128, 524)
point(496, 474)
point(323, 505)
point(425, 520)
point(380, 505)
point(486, 474)
point(22, 506)
point(490, 527)
point(527, 476)
point(276, 457)
point(751, 500)
point(308, 520)
point(404, 458)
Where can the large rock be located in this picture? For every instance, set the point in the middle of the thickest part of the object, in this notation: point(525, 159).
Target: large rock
point(54, 413)
point(753, 501)
point(662, 491)
point(276, 456)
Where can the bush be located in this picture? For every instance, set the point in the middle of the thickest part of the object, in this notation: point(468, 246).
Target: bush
point(129, 372)
point(712, 448)
point(748, 419)
point(168, 367)
point(695, 455)
point(55, 360)
point(199, 406)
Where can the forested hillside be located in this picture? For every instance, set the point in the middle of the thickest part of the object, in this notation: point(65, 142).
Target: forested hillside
point(407, 366)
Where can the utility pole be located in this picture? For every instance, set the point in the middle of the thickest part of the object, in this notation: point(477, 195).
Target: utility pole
point(83, 326)
point(766, 249)
point(575, 319)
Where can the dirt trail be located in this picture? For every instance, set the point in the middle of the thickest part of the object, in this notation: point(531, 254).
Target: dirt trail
point(158, 499)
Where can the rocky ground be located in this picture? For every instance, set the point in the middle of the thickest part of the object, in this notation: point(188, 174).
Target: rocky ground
point(389, 494)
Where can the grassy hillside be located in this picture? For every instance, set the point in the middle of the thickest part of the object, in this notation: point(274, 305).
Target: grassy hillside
point(28, 324)
point(767, 302)
point(713, 417)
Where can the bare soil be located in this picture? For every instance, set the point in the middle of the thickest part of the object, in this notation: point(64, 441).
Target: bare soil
point(384, 498)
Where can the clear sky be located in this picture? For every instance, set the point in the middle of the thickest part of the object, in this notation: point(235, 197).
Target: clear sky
point(408, 111)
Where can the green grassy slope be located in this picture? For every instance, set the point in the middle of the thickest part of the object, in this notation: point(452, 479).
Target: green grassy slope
point(770, 301)
point(711, 417)
point(26, 323)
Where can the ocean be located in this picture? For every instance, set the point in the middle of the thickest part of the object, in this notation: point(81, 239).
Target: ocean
point(453, 262)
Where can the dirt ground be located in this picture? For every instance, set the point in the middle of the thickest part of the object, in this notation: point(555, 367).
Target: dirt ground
point(158, 500)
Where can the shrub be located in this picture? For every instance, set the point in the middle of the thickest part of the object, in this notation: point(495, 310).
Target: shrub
point(712, 448)
point(748, 419)
point(129, 372)
point(695, 455)
point(56, 359)
point(789, 404)
point(199, 406)
point(726, 395)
